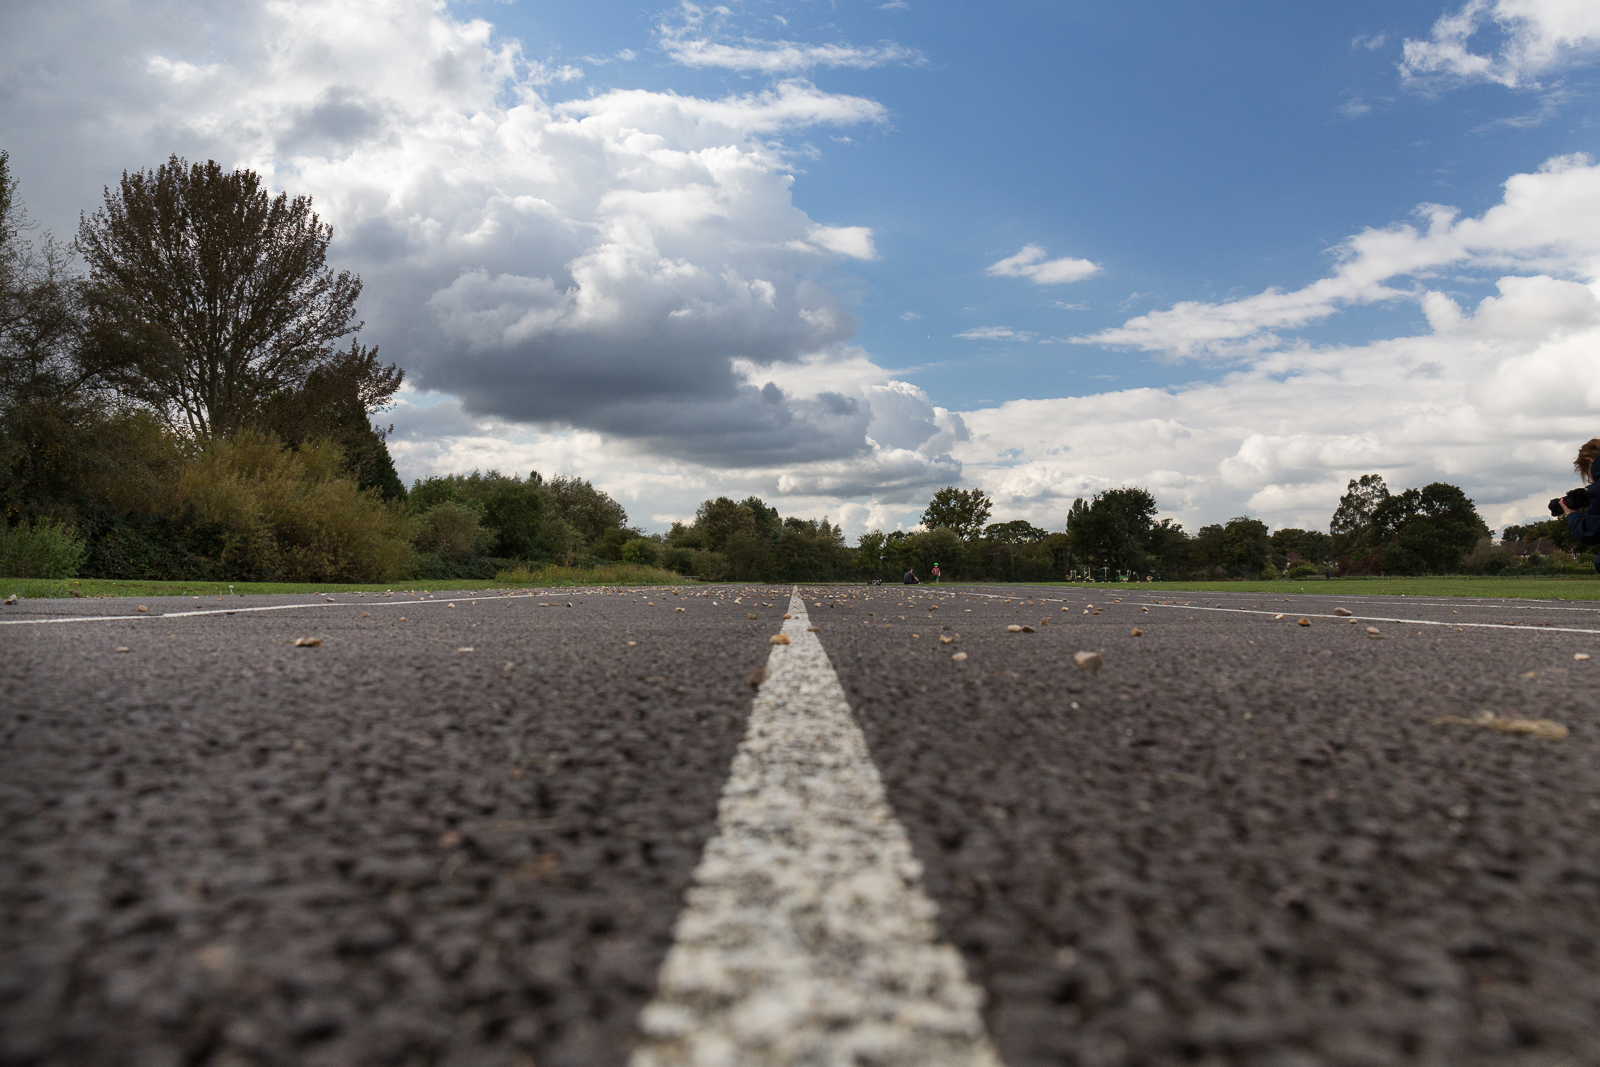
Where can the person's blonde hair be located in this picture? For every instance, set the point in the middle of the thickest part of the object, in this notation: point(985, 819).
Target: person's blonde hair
point(1588, 452)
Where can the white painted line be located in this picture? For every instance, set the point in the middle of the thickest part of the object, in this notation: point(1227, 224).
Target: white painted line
point(380, 603)
point(807, 938)
point(1365, 618)
point(1385, 618)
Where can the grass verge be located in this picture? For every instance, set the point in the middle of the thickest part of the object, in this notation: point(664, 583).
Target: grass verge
point(1573, 588)
point(600, 574)
point(620, 574)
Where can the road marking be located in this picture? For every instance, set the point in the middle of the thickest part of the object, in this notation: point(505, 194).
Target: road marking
point(378, 603)
point(1351, 618)
point(1384, 618)
point(806, 937)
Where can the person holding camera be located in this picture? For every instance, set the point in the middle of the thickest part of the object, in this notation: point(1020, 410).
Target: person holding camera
point(1581, 507)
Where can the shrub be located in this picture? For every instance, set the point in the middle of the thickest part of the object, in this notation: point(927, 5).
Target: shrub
point(450, 529)
point(293, 515)
point(429, 566)
point(42, 550)
point(639, 550)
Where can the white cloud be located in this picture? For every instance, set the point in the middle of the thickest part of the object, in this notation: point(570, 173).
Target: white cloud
point(1537, 38)
point(1031, 263)
point(1353, 108)
point(687, 42)
point(627, 270)
point(1371, 42)
point(1493, 398)
point(1495, 401)
point(853, 241)
point(910, 316)
point(995, 333)
point(1547, 221)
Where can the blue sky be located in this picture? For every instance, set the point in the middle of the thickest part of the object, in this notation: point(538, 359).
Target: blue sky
point(1195, 151)
point(842, 254)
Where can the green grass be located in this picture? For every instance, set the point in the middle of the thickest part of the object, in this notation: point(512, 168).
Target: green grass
point(1546, 588)
point(618, 574)
point(600, 574)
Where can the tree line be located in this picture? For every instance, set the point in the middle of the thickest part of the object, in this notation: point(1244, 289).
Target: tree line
point(184, 395)
point(194, 402)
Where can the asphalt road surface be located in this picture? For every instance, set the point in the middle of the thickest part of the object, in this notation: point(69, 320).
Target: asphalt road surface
point(483, 829)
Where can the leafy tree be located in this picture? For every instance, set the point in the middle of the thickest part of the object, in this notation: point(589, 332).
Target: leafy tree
point(1361, 499)
point(962, 510)
point(1170, 547)
point(1015, 532)
point(720, 519)
point(214, 295)
point(1112, 530)
point(588, 511)
point(1427, 529)
point(1556, 531)
point(1311, 546)
point(65, 440)
point(516, 512)
point(640, 550)
point(336, 401)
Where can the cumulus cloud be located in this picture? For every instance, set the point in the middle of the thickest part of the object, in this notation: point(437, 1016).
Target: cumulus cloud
point(1537, 38)
point(1495, 399)
point(1547, 221)
point(691, 40)
point(1032, 263)
point(995, 333)
point(627, 270)
point(1492, 397)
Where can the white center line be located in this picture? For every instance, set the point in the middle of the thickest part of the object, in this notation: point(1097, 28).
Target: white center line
point(807, 938)
point(1540, 628)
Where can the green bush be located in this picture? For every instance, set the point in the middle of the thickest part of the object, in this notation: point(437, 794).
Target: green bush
point(42, 550)
point(639, 550)
point(450, 529)
point(293, 515)
point(430, 566)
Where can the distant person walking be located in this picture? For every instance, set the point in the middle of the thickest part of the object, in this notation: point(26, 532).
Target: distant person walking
point(936, 573)
point(1585, 525)
point(911, 578)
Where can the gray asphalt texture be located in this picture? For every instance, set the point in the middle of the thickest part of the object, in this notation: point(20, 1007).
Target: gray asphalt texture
point(223, 849)
point(1249, 842)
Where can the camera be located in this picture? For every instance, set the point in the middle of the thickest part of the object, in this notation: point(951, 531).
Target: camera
point(1577, 500)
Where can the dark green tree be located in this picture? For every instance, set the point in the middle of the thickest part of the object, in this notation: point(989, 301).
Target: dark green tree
point(1303, 546)
point(1112, 531)
point(721, 519)
point(337, 401)
point(1428, 529)
point(1354, 513)
point(516, 514)
point(1556, 531)
point(963, 510)
point(215, 295)
point(587, 511)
